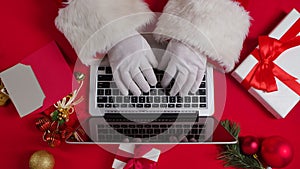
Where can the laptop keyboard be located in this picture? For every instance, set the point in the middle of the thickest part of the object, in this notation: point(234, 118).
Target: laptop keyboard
point(159, 130)
point(109, 96)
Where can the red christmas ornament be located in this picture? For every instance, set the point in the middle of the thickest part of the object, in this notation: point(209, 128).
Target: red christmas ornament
point(249, 145)
point(276, 152)
point(43, 123)
point(52, 138)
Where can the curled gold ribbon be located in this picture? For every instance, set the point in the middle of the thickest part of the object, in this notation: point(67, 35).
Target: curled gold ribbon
point(4, 97)
point(66, 105)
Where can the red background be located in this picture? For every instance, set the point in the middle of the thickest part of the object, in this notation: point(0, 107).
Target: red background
point(28, 25)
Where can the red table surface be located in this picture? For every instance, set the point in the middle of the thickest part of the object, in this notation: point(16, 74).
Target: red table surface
point(28, 25)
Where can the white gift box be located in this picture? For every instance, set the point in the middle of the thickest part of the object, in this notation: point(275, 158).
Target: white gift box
point(282, 101)
point(152, 155)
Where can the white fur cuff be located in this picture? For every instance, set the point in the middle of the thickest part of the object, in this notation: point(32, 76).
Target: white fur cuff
point(217, 28)
point(94, 26)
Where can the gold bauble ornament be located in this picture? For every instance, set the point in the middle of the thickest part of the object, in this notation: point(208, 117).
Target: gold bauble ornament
point(41, 160)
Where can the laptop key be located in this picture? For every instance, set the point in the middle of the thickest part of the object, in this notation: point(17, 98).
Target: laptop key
point(141, 99)
point(161, 92)
point(124, 126)
point(131, 105)
point(113, 85)
point(111, 99)
point(124, 105)
point(187, 99)
point(105, 77)
point(119, 99)
point(147, 105)
point(163, 105)
point(155, 105)
point(139, 105)
point(147, 126)
point(202, 85)
point(202, 105)
point(172, 99)
point(201, 92)
point(101, 99)
point(101, 68)
point(108, 92)
point(178, 105)
point(195, 99)
point(194, 105)
point(108, 105)
point(171, 105)
point(153, 92)
point(115, 92)
point(179, 99)
point(108, 70)
point(202, 99)
point(156, 99)
point(134, 99)
point(149, 99)
point(164, 99)
point(100, 105)
point(109, 137)
point(157, 131)
point(116, 126)
point(139, 126)
point(126, 99)
point(101, 137)
point(187, 105)
point(149, 131)
point(103, 85)
point(100, 92)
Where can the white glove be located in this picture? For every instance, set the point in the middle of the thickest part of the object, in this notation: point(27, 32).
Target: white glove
point(187, 63)
point(132, 60)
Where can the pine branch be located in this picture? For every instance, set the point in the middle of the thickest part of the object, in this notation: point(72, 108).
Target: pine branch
point(231, 154)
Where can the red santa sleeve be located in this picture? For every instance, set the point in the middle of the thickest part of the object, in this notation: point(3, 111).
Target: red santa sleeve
point(216, 28)
point(94, 26)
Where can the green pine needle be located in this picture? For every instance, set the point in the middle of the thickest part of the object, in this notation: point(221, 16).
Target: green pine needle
point(231, 154)
point(55, 115)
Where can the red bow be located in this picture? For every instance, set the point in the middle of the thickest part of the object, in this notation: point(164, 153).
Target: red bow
point(136, 160)
point(262, 76)
point(140, 163)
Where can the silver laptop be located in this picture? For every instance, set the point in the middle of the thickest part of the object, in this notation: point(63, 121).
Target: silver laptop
point(153, 117)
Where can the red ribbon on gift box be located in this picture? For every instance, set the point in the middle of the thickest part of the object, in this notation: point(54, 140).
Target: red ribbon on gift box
point(263, 74)
point(137, 161)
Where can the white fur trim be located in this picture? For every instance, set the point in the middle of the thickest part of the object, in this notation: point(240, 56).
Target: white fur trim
point(94, 26)
point(216, 28)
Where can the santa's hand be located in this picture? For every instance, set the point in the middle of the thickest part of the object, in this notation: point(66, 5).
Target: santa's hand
point(187, 64)
point(132, 62)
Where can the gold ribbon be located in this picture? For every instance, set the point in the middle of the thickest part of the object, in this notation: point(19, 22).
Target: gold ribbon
point(3, 94)
point(66, 105)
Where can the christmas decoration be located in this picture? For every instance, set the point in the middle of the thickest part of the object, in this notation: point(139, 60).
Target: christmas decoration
point(267, 73)
point(131, 156)
point(249, 145)
point(41, 160)
point(231, 154)
point(3, 94)
point(276, 151)
point(59, 120)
